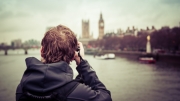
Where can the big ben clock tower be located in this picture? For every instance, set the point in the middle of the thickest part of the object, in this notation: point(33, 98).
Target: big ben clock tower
point(101, 27)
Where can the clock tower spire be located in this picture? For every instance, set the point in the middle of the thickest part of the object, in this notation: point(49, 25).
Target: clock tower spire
point(101, 27)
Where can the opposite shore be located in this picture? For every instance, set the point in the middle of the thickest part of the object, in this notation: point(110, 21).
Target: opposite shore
point(160, 57)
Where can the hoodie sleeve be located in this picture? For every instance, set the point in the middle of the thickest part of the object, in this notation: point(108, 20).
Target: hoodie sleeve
point(19, 93)
point(95, 86)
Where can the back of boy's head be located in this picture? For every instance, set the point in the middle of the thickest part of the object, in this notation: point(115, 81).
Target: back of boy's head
point(58, 44)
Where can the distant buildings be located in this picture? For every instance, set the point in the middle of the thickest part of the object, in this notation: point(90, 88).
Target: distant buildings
point(3, 44)
point(121, 33)
point(148, 30)
point(101, 27)
point(86, 37)
point(85, 29)
point(133, 32)
point(165, 27)
point(32, 43)
point(16, 43)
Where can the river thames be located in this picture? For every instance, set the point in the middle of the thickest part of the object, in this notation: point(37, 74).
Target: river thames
point(127, 80)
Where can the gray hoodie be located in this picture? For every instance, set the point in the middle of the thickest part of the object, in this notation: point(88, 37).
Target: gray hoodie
point(41, 78)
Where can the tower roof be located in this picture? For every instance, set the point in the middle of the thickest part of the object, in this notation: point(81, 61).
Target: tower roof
point(101, 18)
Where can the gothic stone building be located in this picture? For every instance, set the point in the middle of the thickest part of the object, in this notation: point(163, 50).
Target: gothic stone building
point(86, 37)
point(101, 27)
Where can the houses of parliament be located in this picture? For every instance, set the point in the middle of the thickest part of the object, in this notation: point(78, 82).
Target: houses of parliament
point(86, 37)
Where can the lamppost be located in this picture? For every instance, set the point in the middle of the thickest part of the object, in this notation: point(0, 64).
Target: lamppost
point(148, 45)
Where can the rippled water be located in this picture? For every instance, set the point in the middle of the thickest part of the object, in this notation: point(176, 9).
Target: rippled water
point(126, 79)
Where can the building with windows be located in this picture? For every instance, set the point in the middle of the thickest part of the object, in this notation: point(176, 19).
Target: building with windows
point(101, 27)
point(16, 43)
point(85, 37)
point(85, 29)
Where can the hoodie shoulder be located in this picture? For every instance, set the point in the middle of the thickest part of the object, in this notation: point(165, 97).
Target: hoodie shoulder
point(32, 60)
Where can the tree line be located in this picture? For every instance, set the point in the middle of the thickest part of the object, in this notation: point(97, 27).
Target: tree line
point(167, 39)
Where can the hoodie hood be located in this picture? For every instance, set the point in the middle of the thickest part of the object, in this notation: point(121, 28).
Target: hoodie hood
point(42, 78)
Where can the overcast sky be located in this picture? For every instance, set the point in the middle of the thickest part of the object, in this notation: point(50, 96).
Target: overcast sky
point(28, 19)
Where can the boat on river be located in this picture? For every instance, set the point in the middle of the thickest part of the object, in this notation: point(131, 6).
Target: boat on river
point(106, 56)
point(147, 58)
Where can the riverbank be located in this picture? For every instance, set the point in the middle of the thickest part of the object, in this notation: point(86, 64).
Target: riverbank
point(160, 58)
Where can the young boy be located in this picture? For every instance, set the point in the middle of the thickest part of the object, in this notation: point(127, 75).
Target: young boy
point(52, 77)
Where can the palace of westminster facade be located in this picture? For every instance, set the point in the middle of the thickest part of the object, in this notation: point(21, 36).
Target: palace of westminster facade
point(86, 37)
point(86, 31)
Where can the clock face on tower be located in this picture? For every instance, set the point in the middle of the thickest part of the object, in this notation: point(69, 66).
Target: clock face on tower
point(101, 24)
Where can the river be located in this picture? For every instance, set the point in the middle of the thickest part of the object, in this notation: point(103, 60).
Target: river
point(128, 80)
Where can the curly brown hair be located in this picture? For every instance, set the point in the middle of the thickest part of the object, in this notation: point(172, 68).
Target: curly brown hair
point(58, 44)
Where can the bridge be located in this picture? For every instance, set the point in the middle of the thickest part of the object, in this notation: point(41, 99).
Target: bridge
point(5, 48)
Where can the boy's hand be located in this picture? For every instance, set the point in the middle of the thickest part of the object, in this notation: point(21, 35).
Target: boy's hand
point(76, 56)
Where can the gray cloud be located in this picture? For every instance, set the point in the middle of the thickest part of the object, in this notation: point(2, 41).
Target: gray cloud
point(33, 16)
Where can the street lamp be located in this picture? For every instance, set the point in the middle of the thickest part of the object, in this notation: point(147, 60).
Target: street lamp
point(148, 45)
